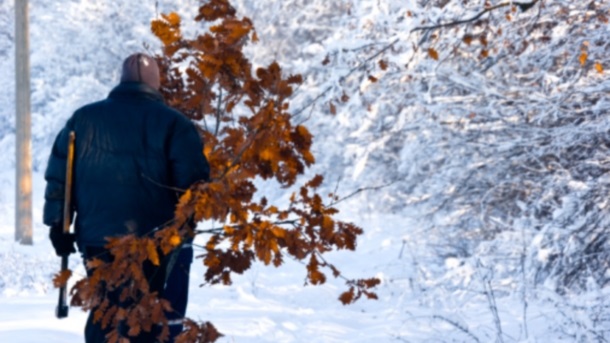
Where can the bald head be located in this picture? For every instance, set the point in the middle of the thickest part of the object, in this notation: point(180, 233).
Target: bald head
point(141, 68)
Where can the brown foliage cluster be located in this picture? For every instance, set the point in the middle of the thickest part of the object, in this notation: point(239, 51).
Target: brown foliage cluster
point(252, 137)
point(140, 309)
point(249, 134)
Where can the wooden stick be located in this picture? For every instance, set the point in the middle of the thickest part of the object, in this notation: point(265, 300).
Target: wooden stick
point(62, 307)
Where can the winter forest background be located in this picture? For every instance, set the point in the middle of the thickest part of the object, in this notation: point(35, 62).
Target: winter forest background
point(477, 155)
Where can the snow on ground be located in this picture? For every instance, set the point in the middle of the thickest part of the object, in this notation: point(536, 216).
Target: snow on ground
point(272, 305)
point(264, 305)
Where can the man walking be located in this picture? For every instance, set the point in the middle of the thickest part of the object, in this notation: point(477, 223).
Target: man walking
point(131, 154)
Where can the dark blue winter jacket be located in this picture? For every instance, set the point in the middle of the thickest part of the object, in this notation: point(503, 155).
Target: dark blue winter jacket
point(132, 154)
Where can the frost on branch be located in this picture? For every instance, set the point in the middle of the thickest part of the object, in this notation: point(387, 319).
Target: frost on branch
point(497, 149)
point(492, 117)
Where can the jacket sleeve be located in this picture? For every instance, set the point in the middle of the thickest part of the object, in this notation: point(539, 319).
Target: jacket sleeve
point(187, 161)
point(55, 176)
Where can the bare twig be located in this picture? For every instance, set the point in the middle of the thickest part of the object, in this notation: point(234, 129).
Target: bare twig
point(523, 6)
point(214, 230)
point(205, 122)
point(179, 190)
point(459, 22)
point(491, 300)
point(354, 69)
point(237, 158)
point(221, 229)
point(359, 190)
point(523, 281)
point(402, 249)
point(458, 326)
point(218, 112)
point(313, 101)
point(337, 185)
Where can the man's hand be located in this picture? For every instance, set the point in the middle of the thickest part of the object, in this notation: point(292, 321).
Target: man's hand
point(62, 242)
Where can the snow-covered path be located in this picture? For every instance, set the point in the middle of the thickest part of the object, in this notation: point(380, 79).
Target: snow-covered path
point(31, 320)
point(263, 305)
point(267, 304)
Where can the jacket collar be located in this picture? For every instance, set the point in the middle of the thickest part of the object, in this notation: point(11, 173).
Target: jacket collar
point(129, 90)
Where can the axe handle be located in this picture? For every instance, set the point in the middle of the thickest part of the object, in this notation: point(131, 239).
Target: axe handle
point(68, 187)
point(62, 306)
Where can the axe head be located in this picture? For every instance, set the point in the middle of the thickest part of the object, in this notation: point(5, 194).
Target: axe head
point(61, 311)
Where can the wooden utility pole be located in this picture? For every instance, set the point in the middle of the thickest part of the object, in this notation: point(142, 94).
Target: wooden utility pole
point(23, 176)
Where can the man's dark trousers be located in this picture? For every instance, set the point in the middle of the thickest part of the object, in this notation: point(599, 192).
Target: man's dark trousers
point(94, 333)
point(176, 290)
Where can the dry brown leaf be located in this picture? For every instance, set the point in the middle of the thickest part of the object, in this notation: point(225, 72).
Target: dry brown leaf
point(583, 58)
